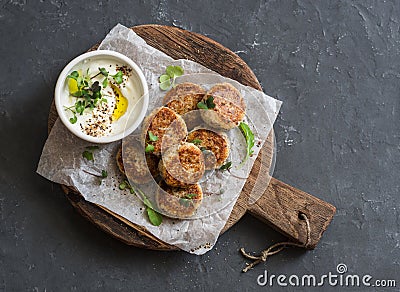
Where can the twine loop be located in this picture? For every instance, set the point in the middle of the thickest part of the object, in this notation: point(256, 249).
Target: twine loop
point(275, 248)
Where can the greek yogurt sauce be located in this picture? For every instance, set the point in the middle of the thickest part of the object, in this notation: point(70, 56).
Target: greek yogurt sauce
point(111, 114)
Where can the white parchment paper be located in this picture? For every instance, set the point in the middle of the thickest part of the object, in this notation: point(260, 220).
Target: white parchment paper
point(62, 161)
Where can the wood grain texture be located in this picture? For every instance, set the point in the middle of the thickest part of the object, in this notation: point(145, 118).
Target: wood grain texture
point(278, 206)
point(281, 208)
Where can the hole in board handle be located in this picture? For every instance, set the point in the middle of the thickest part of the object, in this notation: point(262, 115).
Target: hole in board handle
point(301, 216)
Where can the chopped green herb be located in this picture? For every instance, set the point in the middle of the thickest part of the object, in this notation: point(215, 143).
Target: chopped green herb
point(105, 83)
point(168, 79)
point(249, 136)
point(77, 93)
point(79, 80)
point(118, 77)
point(103, 71)
point(152, 137)
point(80, 107)
point(74, 119)
point(174, 71)
point(164, 77)
point(190, 196)
point(208, 104)
point(149, 148)
point(126, 185)
point(122, 186)
point(186, 200)
point(146, 201)
point(196, 141)
point(165, 85)
point(202, 105)
point(73, 75)
point(88, 155)
point(104, 173)
point(155, 218)
point(226, 166)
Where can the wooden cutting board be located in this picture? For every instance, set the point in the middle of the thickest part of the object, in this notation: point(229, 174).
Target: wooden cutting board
point(279, 205)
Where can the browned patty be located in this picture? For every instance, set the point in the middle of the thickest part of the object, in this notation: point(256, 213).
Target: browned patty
point(182, 90)
point(183, 99)
point(178, 202)
point(216, 142)
point(229, 109)
point(182, 165)
point(229, 92)
point(187, 107)
point(169, 128)
point(135, 165)
point(185, 103)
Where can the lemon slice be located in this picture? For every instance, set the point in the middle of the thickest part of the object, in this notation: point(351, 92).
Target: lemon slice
point(121, 103)
point(72, 84)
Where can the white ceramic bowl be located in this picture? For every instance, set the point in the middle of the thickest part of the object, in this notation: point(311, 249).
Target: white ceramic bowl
point(136, 114)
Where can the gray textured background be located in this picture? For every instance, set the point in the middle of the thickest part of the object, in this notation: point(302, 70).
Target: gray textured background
point(335, 64)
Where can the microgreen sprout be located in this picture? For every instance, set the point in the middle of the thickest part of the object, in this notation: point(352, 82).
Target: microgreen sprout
point(167, 80)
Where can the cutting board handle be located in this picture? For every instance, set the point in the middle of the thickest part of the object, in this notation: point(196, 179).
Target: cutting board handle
point(281, 205)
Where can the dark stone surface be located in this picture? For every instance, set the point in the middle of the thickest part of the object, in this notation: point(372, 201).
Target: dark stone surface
point(335, 64)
